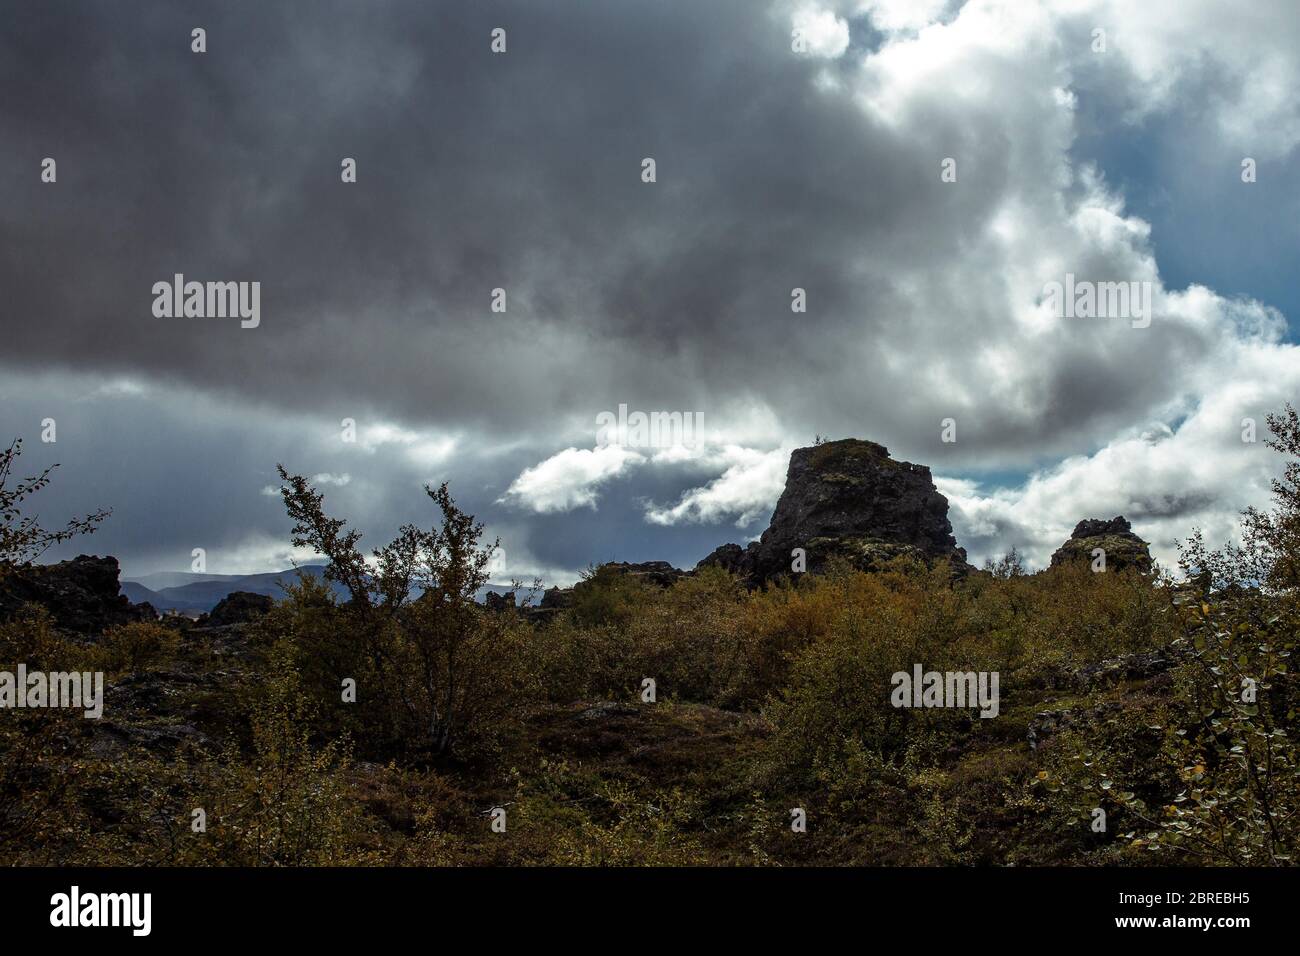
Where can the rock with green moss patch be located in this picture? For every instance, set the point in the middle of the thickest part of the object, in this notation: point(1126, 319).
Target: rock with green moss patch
point(1123, 548)
point(848, 499)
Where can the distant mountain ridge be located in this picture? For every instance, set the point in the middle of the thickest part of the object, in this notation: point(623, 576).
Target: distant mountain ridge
point(190, 593)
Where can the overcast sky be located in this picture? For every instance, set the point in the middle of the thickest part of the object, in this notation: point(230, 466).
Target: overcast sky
point(1113, 156)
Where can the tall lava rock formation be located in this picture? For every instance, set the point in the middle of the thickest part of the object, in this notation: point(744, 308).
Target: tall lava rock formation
point(848, 498)
point(1122, 548)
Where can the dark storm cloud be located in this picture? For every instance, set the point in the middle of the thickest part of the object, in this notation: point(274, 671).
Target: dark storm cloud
point(477, 171)
point(522, 171)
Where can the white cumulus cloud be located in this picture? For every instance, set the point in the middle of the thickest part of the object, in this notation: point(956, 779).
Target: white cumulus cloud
point(746, 490)
point(823, 33)
point(570, 479)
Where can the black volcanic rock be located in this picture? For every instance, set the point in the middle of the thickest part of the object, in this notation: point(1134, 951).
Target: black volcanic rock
point(1099, 527)
point(82, 594)
point(844, 498)
point(499, 602)
point(849, 498)
point(659, 573)
point(1123, 548)
point(729, 557)
point(239, 607)
point(555, 599)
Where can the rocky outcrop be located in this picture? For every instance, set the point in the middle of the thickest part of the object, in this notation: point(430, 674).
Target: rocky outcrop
point(239, 607)
point(848, 498)
point(657, 573)
point(499, 602)
point(844, 499)
point(1123, 548)
point(729, 557)
point(82, 595)
point(1151, 669)
point(556, 599)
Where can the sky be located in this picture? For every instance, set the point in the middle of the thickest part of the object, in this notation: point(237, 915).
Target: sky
point(501, 274)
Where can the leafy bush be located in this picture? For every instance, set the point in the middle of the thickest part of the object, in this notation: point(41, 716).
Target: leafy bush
point(440, 672)
point(136, 647)
point(288, 804)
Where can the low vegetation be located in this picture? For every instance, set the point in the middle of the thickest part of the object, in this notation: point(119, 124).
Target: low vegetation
point(1140, 721)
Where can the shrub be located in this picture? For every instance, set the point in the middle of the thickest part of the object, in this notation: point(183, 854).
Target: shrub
point(288, 803)
point(444, 673)
point(138, 646)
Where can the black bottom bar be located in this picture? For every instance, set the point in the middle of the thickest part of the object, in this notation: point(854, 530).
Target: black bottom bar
point(651, 905)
